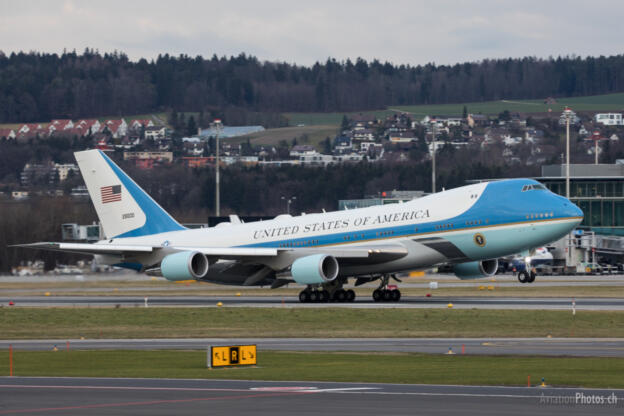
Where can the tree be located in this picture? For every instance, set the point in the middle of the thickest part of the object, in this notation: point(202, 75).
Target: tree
point(191, 127)
point(345, 123)
point(504, 116)
point(327, 146)
point(465, 113)
point(173, 119)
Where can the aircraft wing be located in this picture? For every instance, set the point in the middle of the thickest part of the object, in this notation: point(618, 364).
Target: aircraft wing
point(86, 248)
point(126, 249)
point(368, 254)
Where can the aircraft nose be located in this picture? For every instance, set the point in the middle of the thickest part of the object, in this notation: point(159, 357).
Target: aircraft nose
point(577, 212)
point(570, 209)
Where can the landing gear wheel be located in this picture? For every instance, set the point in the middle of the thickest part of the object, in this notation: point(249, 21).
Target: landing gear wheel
point(396, 295)
point(350, 295)
point(532, 277)
point(339, 295)
point(315, 296)
point(387, 295)
point(523, 277)
point(377, 295)
point(304, 296)
point(324, 296)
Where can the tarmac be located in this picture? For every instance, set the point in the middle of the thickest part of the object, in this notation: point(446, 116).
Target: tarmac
point(110, 396)
point(578, 347)
point(458, 302)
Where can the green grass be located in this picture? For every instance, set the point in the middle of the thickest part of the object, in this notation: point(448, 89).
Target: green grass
point(311, 119)
point(324, 321)
point(272, 137)
point(344, 367)
point(214, 293)
point(607, 102)
point(610, 102)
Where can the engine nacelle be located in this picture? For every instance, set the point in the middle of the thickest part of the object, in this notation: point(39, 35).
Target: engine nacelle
point(476, 269)
point(185, 265)
point(315, 269)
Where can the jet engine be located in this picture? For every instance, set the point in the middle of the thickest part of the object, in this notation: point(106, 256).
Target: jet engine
point(315, 269)
point(185, 265)
point(476, 269)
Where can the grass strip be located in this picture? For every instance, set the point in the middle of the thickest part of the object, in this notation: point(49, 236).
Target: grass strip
point(365, 293)
point(345, 367)
point(324, 321)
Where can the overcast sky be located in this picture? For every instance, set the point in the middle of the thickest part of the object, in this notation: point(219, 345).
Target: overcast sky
point(410, 31)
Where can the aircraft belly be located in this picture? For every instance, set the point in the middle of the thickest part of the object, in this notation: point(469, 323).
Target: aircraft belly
point(235, 273)
point(419, 256)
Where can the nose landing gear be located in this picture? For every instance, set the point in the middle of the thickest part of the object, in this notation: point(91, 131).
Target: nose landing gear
point(527, 277)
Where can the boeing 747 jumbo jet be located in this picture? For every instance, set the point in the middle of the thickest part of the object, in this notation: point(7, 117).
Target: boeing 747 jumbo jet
point(467, 227)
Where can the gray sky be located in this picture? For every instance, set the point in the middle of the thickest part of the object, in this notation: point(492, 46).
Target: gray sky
point(411, 32)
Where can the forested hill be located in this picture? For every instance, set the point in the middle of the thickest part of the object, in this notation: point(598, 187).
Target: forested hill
point(39, 87)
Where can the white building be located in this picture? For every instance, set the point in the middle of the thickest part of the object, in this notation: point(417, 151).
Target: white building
point(155, 133)
point(302, 150)
point(64, 169)
point(609, 119)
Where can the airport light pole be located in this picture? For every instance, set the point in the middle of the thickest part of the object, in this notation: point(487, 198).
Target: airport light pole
point(288, 202)
point(596, 137)
point(568, 115)
point(433, 157)
point(217, 127)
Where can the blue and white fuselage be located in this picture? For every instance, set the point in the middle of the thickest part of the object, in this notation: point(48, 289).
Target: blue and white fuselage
point(462, 226)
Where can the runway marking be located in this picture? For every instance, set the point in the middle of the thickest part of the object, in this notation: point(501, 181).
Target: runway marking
point(284, 388)
point(346, 390)
point(312, 389)
point(483, 395)
point(28, 386)
point(146, 403)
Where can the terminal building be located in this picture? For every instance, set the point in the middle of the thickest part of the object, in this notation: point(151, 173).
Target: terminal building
point(597, 189)
point(391, 197)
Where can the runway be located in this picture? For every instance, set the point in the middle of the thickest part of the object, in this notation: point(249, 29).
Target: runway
point(579, 347)
point(107, 396)
point(459, 302)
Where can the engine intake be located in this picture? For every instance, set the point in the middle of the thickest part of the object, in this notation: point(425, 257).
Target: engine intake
point(185, 265)
point(476, 269)
point(315, 269)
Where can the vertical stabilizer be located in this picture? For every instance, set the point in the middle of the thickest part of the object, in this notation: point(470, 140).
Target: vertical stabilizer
point(124, 209)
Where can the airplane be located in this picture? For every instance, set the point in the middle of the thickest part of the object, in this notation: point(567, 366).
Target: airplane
point(468, 227)
point(524, 262)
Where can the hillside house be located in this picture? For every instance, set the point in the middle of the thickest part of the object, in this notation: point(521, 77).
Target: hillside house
point(342, 144)
point(8, 134)
point(402, 137)
point(117, 128)
point(302, 150)
point(364, 135)
point(60, 125)
point(137, 125)
point(609, 119)
point(155, 132)
point(90, 126)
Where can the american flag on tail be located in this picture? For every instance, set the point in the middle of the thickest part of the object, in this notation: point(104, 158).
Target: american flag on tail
point(110, 193)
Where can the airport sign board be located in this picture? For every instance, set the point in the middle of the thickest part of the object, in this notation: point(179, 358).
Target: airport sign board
point(232, 355)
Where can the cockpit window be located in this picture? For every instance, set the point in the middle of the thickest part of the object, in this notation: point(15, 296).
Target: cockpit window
point(534, 187)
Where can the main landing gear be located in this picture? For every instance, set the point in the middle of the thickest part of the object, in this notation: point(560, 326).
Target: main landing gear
point(385, 292)
point(527, 277)
point(338, 294)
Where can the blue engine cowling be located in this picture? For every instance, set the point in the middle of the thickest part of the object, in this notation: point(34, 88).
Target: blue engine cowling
point(185, 265)
point(476, 269)
point(315, 269)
